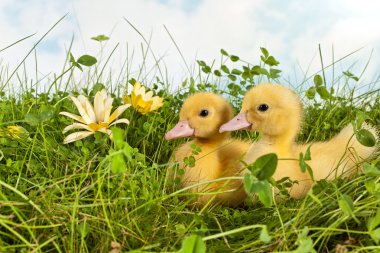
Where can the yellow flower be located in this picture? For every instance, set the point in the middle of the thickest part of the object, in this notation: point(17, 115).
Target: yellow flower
point(14, 132)
point(142, 101)
point(93, 118)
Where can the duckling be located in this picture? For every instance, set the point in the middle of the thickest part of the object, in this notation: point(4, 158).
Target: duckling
point(200, 117)
point(276, 113)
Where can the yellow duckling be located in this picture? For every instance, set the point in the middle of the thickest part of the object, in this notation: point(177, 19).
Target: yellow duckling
point(276, 113)
point(200, 117)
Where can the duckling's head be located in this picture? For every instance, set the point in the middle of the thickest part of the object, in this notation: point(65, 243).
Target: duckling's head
point(201, 116)
point(270, 109)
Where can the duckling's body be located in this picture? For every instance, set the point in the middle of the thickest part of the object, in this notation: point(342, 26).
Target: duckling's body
point(219, 156)
point(288, 167)
point(339, 157)
point(276, 112)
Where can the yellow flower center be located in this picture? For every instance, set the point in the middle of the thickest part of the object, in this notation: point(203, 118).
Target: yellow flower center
point(96, 126)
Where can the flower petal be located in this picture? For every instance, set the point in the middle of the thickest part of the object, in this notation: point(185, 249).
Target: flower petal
point(76, 126)
point(99, 100)
point(148, 95)
point(73, 116)
point(82, 110)
point(107, 109)
point(126, 121)
point(141, 105)
point(157, 103)
point(117, 113)
point(134, 98)
point(138, 89)
point(127, 100)
point(76, 136)
point(88, 107)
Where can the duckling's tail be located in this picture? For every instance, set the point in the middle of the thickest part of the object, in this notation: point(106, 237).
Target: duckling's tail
point(340, 156)
point(357, 151)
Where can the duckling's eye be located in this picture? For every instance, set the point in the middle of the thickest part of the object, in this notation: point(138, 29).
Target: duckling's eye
point(203, 113)
point(263, 107)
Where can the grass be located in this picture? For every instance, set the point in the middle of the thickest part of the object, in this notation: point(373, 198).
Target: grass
point(66, 198)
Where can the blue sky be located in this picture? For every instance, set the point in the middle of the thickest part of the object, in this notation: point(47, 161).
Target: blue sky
point(290, 30)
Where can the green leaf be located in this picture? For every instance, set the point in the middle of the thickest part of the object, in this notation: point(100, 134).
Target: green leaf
point(46, 115)
point(255, 70)
point(232, 77)
point(322, 91)
point(307, 156)
point(36, 119)
point(83, 228)
point(78, 66)
point(264, 191)
point(346, 204)
point(72, 59)
point(189, 161)
point(274, 73)
point(360, 118)
point(371, 170)
point(271, 61)
point(206, 69)
point(236, 72)
point(264, 51)
point(262, 188)
point(305, 167)
point(217, 73)
point(87, 60)
point(248, 181)
point(180, 229)
point(195, 149)
point(234, 58)
point(100, 38)
point(305, 246)
point(225, 69)
point(310, 93)
point(375, 234)
point(310, 171)
point(201, 63)
point(302, 162)
point(264, 166)
point(118, 137)
point(246, 75)
point(318, 81)
point(264, 235)
point(305, 243)
point(262, 71)
point(118, 165)
point(373, 222)
point(365, 138)
point(370, 185)
point(193, 244)
point(128, 151)
point(97, 87)
point(224, 52)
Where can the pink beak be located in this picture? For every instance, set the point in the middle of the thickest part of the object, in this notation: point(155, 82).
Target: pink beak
point(182, 129)
point(239, 122)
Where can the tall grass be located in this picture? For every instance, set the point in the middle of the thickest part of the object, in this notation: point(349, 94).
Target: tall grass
point(65, 198)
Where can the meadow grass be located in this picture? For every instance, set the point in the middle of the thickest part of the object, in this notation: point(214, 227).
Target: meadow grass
point(57, 197)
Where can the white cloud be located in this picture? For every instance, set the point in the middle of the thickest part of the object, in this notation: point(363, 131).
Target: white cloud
point(291, 31)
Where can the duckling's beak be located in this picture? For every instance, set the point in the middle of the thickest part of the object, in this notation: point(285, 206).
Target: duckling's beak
point(182, 129)
point(239, 122)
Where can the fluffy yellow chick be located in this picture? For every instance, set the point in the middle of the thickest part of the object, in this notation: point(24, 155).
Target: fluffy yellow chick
point(276, 113)
point(200, 117)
